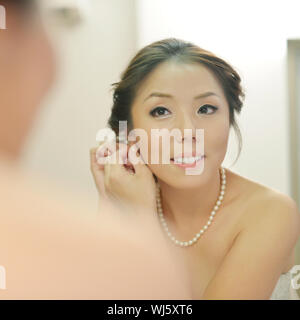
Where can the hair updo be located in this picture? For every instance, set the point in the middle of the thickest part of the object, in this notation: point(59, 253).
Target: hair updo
point(151, 56)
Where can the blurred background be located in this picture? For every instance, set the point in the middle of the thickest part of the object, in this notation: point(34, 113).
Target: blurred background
point(95, 39)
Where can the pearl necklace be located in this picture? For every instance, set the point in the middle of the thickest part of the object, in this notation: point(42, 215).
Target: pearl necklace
point(198, 235)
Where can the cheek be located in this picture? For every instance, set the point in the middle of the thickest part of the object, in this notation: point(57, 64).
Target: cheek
point(140, 123)
point(153, 151)
point(151, 143)
point(216, 139)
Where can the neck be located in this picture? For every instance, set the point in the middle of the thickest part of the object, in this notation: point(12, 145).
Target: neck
point(183, 207)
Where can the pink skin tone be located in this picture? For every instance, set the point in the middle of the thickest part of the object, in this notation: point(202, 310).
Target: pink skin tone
point(27, 67)
point(54, 247)
point(186, 199)
point(187, 165)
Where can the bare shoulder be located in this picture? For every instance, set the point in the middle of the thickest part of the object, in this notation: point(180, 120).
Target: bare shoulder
point(262, 203)
point(269, 208)
point(268, 227)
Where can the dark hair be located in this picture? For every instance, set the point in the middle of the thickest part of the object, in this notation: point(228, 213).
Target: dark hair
point(24, 6)
point(149, 57)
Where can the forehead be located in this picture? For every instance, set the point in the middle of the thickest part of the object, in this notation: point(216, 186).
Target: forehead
point(180, 79)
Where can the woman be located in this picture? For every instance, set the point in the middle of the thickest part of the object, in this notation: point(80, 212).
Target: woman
point(248, 233)
point(52, 245)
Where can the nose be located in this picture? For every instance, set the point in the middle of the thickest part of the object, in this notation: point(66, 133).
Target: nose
point(187, 128)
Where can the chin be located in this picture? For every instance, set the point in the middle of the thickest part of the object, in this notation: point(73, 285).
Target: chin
point(192, 182)
point(182, 181)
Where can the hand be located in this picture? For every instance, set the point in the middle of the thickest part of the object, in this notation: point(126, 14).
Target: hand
point(131, 184)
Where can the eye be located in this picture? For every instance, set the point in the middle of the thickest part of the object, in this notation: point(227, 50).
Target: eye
point(205, 107)
point(158, 112)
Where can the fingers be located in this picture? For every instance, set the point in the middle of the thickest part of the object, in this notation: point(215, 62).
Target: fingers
point(107, 152)
point(97, 172)
point(93, 160)
point(112, 161)
point(116, 172)
point(110, 173)
point(105, 148)
point(137, 161)
point(110, 153)
point(103, 152)
point(122, 153)
point(116, 161)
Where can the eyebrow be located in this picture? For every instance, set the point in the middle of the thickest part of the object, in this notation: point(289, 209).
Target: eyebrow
point(165, 95)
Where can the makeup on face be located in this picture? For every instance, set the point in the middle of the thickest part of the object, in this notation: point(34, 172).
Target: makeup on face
point(188, 160)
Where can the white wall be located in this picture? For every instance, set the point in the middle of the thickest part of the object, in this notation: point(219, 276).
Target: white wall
point(251, 35)
point(91, 56)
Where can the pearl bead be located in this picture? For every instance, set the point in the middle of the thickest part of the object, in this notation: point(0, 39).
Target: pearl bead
point(198, 235)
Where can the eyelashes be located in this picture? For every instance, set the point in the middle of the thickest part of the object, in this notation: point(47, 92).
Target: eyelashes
point(161, 111)
point(209, 106)
point(158, 111)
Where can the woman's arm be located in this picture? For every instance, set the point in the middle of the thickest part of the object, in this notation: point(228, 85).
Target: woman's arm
point(258, 255)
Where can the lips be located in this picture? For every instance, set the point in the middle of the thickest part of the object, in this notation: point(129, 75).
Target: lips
point(186, 165)
point(188, 155)
point(187, 161)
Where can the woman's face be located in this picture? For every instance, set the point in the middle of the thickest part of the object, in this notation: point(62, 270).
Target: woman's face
point(211, 113)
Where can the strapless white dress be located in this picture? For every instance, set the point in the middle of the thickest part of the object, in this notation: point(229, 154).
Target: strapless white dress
point(283, 289)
